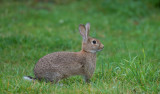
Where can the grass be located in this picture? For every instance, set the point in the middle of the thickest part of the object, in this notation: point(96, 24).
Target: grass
point(129, 30)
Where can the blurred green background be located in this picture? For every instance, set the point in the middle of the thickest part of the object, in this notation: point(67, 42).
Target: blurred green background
point(129, 30)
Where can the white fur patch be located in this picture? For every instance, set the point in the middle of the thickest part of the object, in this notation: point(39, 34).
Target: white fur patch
point(27, 78)
point(92, 51)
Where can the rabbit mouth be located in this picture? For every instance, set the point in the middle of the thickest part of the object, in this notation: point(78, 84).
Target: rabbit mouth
point(99, 50)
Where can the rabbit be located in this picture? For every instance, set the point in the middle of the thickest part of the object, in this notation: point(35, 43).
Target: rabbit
point(59, 65)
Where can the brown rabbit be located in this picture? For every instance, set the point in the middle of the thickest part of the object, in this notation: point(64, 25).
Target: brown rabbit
point(59, 65)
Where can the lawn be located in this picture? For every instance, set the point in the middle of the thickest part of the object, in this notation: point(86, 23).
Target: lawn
point(129, 30)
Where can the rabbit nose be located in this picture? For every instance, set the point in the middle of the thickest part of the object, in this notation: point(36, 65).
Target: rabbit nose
point(102, 46)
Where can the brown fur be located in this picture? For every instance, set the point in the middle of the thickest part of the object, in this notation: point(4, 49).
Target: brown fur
point(59, 65)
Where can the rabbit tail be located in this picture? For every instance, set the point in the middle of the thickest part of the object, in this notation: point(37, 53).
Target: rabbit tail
point(29, 78)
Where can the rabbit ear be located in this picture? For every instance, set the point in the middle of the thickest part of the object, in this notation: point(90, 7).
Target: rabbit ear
point(83, 32)
point(87, 28)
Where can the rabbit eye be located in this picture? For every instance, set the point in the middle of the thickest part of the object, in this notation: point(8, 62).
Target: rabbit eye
point(94, 42)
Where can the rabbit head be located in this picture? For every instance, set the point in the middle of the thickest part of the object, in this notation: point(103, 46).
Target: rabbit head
point(89, 44)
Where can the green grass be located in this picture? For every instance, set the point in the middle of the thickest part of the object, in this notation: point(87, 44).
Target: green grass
point(129, 30)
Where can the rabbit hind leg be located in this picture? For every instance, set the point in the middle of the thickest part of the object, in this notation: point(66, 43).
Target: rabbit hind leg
point(56, 77)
